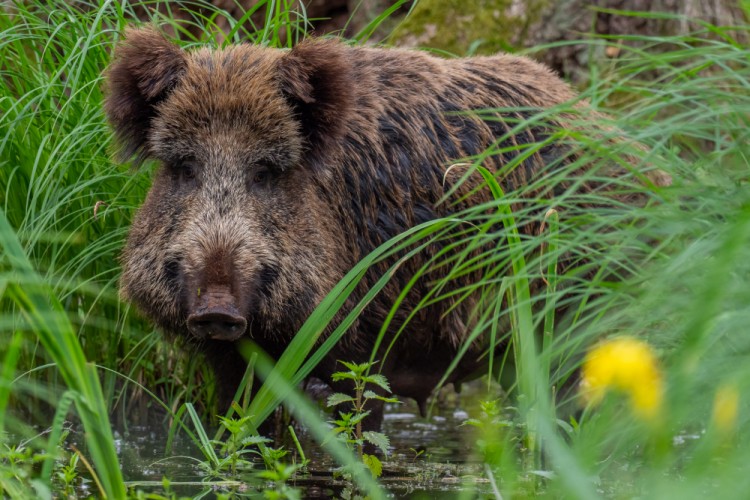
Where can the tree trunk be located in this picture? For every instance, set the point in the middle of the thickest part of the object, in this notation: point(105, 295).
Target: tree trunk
point(488, 26)
point(571, 20)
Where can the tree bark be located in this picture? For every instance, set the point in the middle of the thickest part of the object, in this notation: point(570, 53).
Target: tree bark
point(571, 20)
point(520, 24)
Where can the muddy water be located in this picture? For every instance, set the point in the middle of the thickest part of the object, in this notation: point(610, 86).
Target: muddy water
point(430, 457)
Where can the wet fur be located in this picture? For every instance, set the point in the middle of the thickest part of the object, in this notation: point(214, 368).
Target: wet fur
point(357, 142)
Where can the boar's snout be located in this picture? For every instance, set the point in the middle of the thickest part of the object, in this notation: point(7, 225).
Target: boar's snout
point(216, 316)
point(217, 324)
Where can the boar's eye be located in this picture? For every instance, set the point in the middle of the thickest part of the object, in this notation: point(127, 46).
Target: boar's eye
point(188, 172)
point(261, 177)
point(184, 173)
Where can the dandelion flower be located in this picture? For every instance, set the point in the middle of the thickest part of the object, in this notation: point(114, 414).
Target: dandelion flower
point(627, 365)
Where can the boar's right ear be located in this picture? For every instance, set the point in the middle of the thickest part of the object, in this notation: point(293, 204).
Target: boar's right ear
point(316, 80)
point(146, 67)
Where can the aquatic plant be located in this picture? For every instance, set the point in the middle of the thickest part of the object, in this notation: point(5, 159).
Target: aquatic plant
point(348, 425)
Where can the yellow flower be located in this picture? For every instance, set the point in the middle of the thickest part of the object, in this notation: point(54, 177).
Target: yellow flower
point(726, 403)
point(627, 365)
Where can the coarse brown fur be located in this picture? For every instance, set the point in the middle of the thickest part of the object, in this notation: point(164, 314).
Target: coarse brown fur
point(282, 169)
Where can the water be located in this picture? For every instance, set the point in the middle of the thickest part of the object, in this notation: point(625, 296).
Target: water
point(429, 456)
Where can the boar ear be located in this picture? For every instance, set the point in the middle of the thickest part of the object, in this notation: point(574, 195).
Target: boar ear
point(146, 67)
point(316, 79)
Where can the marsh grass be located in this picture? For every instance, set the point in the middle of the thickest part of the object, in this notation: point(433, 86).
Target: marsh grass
point(67, 207)
point(673, 272)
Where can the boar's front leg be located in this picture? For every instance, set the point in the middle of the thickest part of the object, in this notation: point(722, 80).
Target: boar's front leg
point(229, 367)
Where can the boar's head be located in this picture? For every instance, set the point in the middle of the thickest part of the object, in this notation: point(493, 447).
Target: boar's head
point(233, 237)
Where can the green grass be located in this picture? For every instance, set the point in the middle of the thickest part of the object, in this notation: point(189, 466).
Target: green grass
point(673, 272)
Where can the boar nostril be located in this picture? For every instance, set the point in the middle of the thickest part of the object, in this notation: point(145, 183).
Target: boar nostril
point(217, 325)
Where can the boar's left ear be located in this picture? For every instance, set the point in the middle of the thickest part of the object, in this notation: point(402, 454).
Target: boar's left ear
point(316, 79)
point(145, 69)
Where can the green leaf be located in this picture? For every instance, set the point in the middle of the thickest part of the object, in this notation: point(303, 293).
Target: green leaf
point(355, 368)
point(255, 440)
point(359, 417)
point(374, 395)
point(345, 418)
point(338, 398)
point(344, 376)
point(378, 439)
point(378, 380)
point(374, 464)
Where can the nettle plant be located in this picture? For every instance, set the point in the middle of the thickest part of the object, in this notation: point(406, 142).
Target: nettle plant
point(348, 425)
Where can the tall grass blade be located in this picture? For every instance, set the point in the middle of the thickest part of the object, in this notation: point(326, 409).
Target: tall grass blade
point(8, 371)
point(49, 322)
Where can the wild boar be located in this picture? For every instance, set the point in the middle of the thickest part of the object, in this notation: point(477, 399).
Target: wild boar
point(280, 170)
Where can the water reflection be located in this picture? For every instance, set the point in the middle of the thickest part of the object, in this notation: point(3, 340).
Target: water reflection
point(429, 455)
